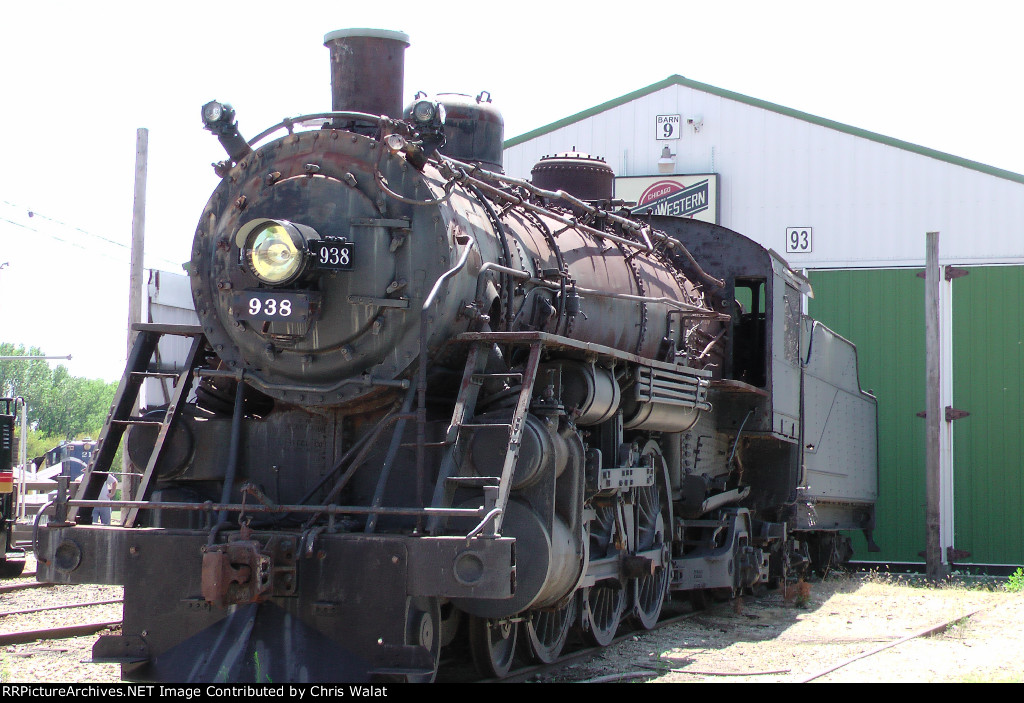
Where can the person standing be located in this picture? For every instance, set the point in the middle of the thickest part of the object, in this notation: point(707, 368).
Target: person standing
point(102, 515)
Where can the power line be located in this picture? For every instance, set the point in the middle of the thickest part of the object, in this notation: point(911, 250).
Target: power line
point(53, 236)
point(33, 214)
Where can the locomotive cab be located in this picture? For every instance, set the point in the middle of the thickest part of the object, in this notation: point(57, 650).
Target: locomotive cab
point(788, 390)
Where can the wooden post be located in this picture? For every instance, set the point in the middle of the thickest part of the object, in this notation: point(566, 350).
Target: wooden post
point(138, 233)
point(933, 407)
point(135, 277)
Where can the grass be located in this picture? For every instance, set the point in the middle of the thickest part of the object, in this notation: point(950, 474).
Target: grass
point(261, 676)
point(1015, 583)
point(957, 580)
point(958, 628)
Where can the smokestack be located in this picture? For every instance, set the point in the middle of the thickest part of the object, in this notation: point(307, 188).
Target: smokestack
point(367, 70)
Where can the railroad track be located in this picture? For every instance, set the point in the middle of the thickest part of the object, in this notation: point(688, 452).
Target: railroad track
point(525, 673)
point(627, 668)
point(56, 633)
point(12, 587)
point(29, 613)
point(44, 609)
point(640, 671)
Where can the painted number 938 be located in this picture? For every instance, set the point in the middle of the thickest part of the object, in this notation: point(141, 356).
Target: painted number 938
point(269, 307)
point(332, 254)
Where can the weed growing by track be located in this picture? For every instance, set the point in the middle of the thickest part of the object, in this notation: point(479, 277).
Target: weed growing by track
point(1015, 584)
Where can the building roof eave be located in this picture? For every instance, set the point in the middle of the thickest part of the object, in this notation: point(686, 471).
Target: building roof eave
point(676, 79)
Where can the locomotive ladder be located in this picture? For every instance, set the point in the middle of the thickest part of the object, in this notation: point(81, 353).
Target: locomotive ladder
point(496, 488)
point(120, 416)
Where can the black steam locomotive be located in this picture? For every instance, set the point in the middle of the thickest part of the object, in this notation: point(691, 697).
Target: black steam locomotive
point(432, 404)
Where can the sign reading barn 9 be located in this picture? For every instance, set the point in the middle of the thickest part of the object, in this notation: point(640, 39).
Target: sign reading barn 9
point(694, 196)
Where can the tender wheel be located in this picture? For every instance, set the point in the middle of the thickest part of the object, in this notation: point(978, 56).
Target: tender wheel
point(699, 599)
point(829, 552)
point(648, 591)
point(606, 602)
point(547, 631)
point(722, 595)
point(493, 645)
point(423, 628)
point(11, 569)
point(758, 589)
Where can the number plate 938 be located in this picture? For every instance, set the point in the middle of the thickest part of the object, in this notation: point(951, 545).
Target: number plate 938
point(274, 306)
point(332, 253)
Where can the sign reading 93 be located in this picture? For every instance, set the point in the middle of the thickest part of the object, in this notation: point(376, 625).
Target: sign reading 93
point(798, 240)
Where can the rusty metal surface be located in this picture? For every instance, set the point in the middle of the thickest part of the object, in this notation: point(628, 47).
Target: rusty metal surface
point(585, 176)
point(367, 71)
point(343, 596)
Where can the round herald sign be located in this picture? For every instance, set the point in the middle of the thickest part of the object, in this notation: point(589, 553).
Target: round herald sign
point(659, 190)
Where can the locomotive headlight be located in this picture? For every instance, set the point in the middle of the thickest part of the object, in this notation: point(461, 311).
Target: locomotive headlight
point(273, 255)
point(215, 112)
point(423, 111)
point(274, 250)
point(427, 112)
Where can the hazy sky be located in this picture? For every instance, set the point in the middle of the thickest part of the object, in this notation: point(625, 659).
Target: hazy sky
point(78, 79)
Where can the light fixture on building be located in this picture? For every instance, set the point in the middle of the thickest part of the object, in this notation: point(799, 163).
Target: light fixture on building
point(667, 162)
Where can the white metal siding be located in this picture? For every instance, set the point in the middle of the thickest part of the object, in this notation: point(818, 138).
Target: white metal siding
point(869, 203)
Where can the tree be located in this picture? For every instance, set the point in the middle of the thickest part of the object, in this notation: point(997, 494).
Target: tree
point(27, 379)
point(59, 404)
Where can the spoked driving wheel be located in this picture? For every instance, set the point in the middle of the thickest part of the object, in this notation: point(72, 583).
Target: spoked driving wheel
point(606, 603)
point(547, 630)
point(603, 603)
point(493, 645)
point(648, 590)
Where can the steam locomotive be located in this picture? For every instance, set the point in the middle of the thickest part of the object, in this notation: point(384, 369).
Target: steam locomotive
point(430, 404)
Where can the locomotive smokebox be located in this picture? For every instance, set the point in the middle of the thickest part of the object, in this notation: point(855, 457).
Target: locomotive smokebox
point(367, 70)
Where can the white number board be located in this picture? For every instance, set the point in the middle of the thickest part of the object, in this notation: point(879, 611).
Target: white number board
point(798, 240)
point(667, 126)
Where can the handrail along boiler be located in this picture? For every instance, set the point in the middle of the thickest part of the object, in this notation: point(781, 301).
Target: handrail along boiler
point(430, 403)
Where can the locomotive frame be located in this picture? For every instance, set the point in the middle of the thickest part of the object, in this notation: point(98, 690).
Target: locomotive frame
point(492, 410)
